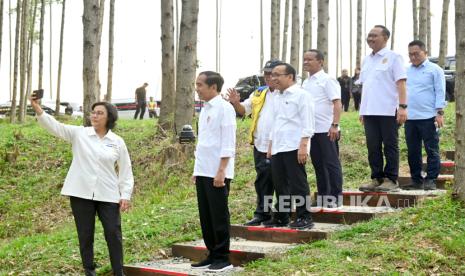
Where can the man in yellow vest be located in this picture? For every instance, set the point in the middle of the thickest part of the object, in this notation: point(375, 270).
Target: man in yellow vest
point(152, 106)
point(258, 105)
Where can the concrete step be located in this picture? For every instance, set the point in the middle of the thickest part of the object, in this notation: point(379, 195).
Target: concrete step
point(174, 266)
point(285, 235)
point(450, 154)
point(241, 251)
point(442, 182)
point(447, 167)
point(348, 214)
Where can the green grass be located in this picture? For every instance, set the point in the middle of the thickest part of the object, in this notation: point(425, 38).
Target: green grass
point(37, 233)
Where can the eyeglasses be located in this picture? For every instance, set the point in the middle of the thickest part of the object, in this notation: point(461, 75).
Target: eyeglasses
point(97, 113)
point(275, 75)
point(414, 54)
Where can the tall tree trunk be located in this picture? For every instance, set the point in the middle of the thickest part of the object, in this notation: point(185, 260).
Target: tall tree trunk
point(111, 39)
point(186, 63)
point(167, 66)
point(60, 59)
point(51, 50)
point(385, 14)
point(295, 36)
point(307, 43)
point(459, 183)
point(41, 43)
point(358, 53)
point(275, 28)
point(428, 27)
point(365, 28)
point(99, 43)
point(217, 40)
point(23, 60)
point(341, 52)
point(30, 56)
point(322, 38)
point(15, 66)
point(393, 28)
point(338, 35)
point(350, 38)
point(91, 37)
point(422, 21)
point(11, 49)
point(444, 35)
point(415, 19)
point(1, 30)
point(285, 31)
point(262, 54)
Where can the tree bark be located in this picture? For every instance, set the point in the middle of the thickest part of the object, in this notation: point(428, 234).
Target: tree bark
point(1, 30)
point(428, 27)
point(307, 38)
point(415, 19)
point(186, 64)
point(275, 28)
point(444, 33)
point(295, 35)
point(91, 37)
point(11, 49)
point(422, 21)
point(30, 55)
point(99, 43)
point(350, 38)
point(60, 59)
point(393, 28)
point(15, 66)
point(23, 60)
point(41, 43)
point(358, 54)
point(51, 50)
point(111, 39)
point(322, 38)
point(459, 183)
point(167, 66)
point(285, 31)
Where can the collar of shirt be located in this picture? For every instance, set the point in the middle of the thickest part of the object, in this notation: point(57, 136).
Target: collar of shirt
point(110, 135)
point(292, 89)
point(381, 52)
point(318, 75)
point(213, 101)
point(423, 64)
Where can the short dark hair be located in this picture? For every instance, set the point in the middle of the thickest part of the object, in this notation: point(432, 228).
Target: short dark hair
point(112, 112)
point(213, 78)
point(288, 69)
point(318, 54)
point(385, 30)
point(418, 43)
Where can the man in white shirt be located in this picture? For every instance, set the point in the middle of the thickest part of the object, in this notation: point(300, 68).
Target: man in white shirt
point(294, 125)
point(326, 94)
point(214, 169)
point(383, 110)
point(259, 106)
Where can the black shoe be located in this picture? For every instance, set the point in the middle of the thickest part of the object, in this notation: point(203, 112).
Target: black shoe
point(430, 184)
point(220, 266)
point(413, 186)
point(203, 264)
point(276, 223)
point(302, 223)
point(255, 221)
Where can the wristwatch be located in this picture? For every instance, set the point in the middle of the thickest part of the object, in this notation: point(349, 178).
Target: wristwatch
point(334, 125)
point(403, 106)
point(440, 112)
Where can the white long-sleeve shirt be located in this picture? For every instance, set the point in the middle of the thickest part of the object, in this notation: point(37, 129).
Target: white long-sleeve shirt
point(217, 138)
point(294, 119)
point(92, 174)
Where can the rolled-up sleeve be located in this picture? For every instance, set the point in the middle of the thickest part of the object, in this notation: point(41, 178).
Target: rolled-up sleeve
point(439, 88)
point(228, 133)
point(247, 104)
point(56, 128)
point(125, 177)
point(307, 115)
point(398, 69)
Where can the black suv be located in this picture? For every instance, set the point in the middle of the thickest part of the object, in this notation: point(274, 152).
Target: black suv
point(247, 85)
point(449, 72)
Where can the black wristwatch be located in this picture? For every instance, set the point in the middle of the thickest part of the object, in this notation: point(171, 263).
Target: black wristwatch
point(334, 125)
point(440, 112)
point(403, 106)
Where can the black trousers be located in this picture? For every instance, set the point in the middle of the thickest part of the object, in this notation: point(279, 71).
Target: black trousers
point(290, 180)
point(214, 217)
point(140, 108)
point(345, 99)
point(263, 182)
point(325, 160)
point(357, 98)
point(84, 212)
point(382, 135)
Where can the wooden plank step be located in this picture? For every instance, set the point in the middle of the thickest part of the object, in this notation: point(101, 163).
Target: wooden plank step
point(450, 154)
point(348, 214)
point(174, 266)
point(241, 251)
point(283, 234)
point(447, 167)
point(442, 182)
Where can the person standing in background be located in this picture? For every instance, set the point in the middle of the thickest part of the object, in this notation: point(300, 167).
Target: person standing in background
point(141, 101)
point(345, 82)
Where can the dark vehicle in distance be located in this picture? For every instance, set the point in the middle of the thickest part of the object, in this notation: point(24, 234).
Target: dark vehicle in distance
point(247, 85)
point(449, 72)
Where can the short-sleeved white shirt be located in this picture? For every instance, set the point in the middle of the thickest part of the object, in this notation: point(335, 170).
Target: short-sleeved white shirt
point(324, 91)
point(379, 74)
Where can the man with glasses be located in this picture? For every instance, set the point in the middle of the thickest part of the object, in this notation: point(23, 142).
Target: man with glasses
point(293, 126)
point(259, 105)
point(426, 85)
point(383, 110)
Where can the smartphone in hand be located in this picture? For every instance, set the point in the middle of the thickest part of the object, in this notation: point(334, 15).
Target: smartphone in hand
point(38, 94)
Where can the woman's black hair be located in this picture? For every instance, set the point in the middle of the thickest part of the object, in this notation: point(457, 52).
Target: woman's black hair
point(111, 111)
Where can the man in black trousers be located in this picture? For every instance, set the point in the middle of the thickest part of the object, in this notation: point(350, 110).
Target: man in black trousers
point(214, 170)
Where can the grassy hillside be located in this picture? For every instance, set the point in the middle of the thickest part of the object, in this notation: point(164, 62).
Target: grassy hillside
point(37, 233)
